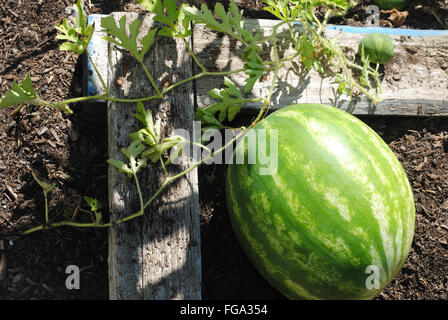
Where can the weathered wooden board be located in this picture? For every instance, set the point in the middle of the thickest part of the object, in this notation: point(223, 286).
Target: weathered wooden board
point(414, 81)
point(156, 256)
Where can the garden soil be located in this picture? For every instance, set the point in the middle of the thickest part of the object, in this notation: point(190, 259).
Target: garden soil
point(71, 150)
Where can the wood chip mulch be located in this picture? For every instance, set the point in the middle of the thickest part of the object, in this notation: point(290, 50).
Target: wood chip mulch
point(71, 151)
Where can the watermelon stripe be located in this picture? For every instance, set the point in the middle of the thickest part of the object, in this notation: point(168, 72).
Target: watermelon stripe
point(323, 249)
point(318, 135)
point(392, 251)
point(257, 250)
point(329, 242)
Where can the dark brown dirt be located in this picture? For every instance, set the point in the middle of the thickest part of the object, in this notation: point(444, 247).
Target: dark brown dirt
point(71, 150)
point(429, 14)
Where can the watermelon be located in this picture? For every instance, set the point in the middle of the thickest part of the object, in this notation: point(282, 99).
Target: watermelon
point(391, 4)
point(336, 206)
point(378, 47)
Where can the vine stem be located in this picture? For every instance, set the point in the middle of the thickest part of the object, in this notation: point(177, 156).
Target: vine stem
point(180, 175)
point(106, 89)
point(47, 220)
point(159, 94)
point(139, 191)
point(277, 65)
point(153, 97)
point(344, 65)
point(193, 55)
point(143, 205)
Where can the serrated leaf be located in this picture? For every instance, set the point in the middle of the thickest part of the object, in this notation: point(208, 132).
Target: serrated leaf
point(155, 152)
point(119, 35)
point(228, 107)
point(120, 165)
point(76, 32)
point(68, 46)
point(92, 202)
point(133, 150)
point(166, 12)
point(254, 67)
point(206, 117)
point(307, 51)
point(231, 21)
point(151, 133)
point(148, 4)
point(167, 32)
point(80, 16)
point(177, 150)
point(68, 32)
point(19, 93)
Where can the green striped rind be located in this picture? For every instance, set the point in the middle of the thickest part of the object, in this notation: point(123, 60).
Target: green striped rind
point(378, 47)
point(338, 202)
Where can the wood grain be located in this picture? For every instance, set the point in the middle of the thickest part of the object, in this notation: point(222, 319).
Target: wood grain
point(414, 82)
point(156, 256)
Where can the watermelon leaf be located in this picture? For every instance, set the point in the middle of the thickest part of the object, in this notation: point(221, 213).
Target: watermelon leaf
point(119, 36)
point(231, 22)
point(254, 67)
point(229, 106)
point(19, 93)
point(173, 18)
point(121, 166)
point(76, 32)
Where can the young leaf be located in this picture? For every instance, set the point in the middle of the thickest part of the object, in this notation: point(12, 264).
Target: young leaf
point(92, 202)
point(150, 134)
point(206, 117)
point(80, 17)
point(177, 150)
point(121, 38)
point(174, 18)
point(228, 107)
point(254, 67)
point(19, 93)
point(76, 32)
point(278, 8)
point(121, 166)
point(231, 21)
point(154, 153)
point(132, 152)
point(46, 185)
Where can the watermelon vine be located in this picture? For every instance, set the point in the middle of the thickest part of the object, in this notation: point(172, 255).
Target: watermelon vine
point(307, 36)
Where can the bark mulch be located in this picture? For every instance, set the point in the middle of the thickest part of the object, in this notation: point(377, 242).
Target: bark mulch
point(71, 150)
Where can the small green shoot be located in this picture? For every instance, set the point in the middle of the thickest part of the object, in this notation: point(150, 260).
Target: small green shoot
point(46, 186)
point(77, 33)
point(94, 207)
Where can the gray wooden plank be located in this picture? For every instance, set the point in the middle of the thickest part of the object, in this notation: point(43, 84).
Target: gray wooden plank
point(156, 256)
point(414, 82)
